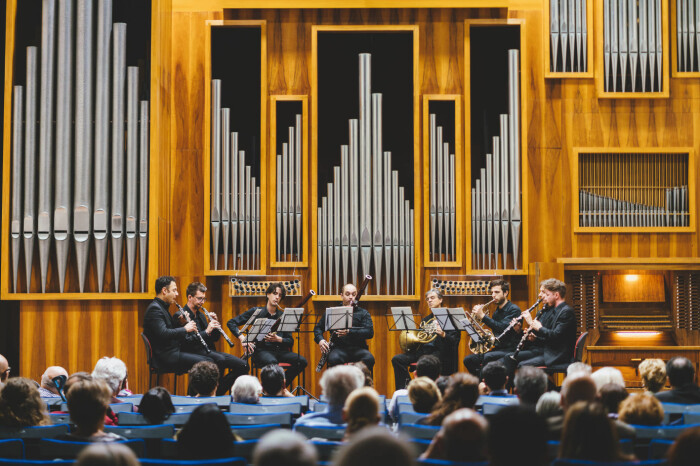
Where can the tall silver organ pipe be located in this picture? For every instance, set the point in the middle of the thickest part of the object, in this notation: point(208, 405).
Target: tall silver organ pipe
point(16, 219)
point(29, 217)
point(144, 151)
point(297, 183)
point(132, 178)
point(514, 148)
point(377, 191)
point(354, 195)
point(688, 35)
point(215, 211)
point(226, 184)
point(345, 214)
point(116, 211)
point(289, 202)
point(442, 195)
point(365, 151)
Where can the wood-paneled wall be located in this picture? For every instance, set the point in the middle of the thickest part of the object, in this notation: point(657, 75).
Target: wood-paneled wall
point(560, 115)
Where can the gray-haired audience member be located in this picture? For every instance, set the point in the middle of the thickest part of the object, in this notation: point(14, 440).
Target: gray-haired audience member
point(246, 389)
point(107, 454)
point(530, 384)
point(336, 385)
point(576, 368)
point(284, 448)
point(461, 438)
point(607, 375)
point(549, 405)
point(681, 376)
point(48, 388)
point(375, 446)
point(113, 371)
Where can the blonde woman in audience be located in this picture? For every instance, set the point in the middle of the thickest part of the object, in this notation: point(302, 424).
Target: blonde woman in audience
point(246, 389)
point(21, 405)
point(424, 394)
point(361, 410)
point(653, 373)
point(642, 409)
point(114, 454)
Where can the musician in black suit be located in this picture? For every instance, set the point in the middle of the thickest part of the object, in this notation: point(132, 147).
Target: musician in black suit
point(277, 346)
point(444, 346)
point(165, 335)
point(349, 345)
point(505, 311)
point(211, 333)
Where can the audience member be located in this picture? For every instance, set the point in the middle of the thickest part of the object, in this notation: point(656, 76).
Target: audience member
point(207, 434)
point(681, 376)
point(442, 383)
point(113, 371)
point(685, 451)
point(246, 389)
point(653, 373)
point(4, 370)
point(375, 446)
point(462, 392)
point(156, 405)
point(423, 394)
point(611, 395)
point(642, 409)
point(284, 448)
point(427, 365)
point(580, 388)
point(88, 402)
point(369, 382)
point(607, 375)
point(336, 385)
point(530, 384)
point(549, 405)
point(204, 379)
point(48, 388)
point(494, 377)
point(273, 381)
point(20, 404)
point(589, 434)
point(114, 454)
point(576, 368)
point(461, 438)
point(524, 434)
point(361, 410)
point(75, 377)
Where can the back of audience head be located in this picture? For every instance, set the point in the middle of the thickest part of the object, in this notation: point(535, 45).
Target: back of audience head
point(530, 384)
point(641, 409)
point(204, 379)
point(580, 388)
point(113, 371)
point(685, 451)
point(207, 434)
point(88, 401)
point(653, 373)
point(21, 405)
point(156, 405)
point(462, 437)
point(375, 446)
point(284, 448)
point(107, 454)
point(339, 381)
point(75, 377)
point(246, 389)
point(442, 382)
point(494, 375)
point(588, 434)
point(525, 434)
point(49, 374)
point(680, 372)
point(577, 368)
point(611, 395)
point(4, 370)
point(549, 405)
point(462, 392)
point(429, 366)
point(607, 375)
point(361, 409)
point(272, 380)
point(424, 394)
point(369, 382)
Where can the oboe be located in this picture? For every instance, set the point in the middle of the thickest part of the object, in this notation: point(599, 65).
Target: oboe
point(228, 340)
point(514, 356)
point(518, 319)
point(186, 315)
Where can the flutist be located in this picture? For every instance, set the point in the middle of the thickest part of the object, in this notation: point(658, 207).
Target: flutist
point(505, 312)
point(349, 345)
point(276, 347)
point(211, 333)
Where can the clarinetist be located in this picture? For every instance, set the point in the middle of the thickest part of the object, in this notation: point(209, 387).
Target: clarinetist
point(349, 345)
point(211, 333)
point(277, 346)
point(505, 311)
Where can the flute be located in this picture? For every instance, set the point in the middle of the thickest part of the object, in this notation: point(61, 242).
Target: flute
point(228, 340)
point(187, 318)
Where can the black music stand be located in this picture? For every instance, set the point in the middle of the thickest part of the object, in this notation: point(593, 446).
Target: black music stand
point(292, 320)
point(404, 319)
point(473, 334)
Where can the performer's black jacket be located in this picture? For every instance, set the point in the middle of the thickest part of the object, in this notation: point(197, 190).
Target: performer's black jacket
point(362, 329)
point(558, 334)
point(164, 334)
point(450, 341)
point(499, 322)
point(287, 339)
point(192, 343)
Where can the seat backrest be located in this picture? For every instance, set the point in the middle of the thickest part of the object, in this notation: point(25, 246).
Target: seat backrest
point(660, 432)
point(132, 432)
point(187, 408)
point(318, 407)
point(284, 419)
point(691, 418)
point(121, 407)
point(419, 430)
point(63, 449)
point(658, 448)
point(325, 448)
point(131, 419)
point(245, 448)
point(273, 400)
point(133, 399)
point(451, 463)
point(221, 401)
point(410, 417)
point(12, 448)
point(405, 408)
point(580, 346)
point(326, 432)
point(35, 432)
point(255, 431)
point(489, 409)
point(566, 462)
point(501, 400)
point(420, 444)
point(148, 348)
point(246, 408)
point(20, 462)
point(59, 418)
point(236, 461)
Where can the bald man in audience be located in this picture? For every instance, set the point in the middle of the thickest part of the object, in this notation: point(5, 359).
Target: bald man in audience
point(4, 370)
point(462, 438)
point(48, 388)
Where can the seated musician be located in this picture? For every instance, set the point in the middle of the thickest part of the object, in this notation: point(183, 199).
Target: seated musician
point(349, 345)
point(277, 346)
point(553, 332)
point(505, 312)
point(443, 346)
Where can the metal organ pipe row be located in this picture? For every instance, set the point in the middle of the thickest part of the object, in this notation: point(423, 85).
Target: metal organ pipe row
point(442, 195)
point(62, 197)
point(365, 218)
point(289, 215)
point(688, 35)
point(568, 34)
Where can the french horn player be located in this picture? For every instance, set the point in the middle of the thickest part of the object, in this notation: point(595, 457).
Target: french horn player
point(505, 311)
point(428, 339)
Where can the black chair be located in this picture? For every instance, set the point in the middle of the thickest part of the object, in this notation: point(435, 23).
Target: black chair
point(12, 448)
point(325, 432)
point(153, 367)
point(63, 449)
point(578, 357)
point(419, 431)
point(34, 432)
point(158, 431)
point(252, 432)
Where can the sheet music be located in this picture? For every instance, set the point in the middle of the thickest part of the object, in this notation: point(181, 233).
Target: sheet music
point(403, 318)
point(339, 318)
point(457, 314)
point(291, 319)
point(466, 323)
point(443, 318)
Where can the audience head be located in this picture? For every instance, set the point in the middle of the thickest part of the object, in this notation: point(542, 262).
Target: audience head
point(375, 446)
point(21, 405)
point(49, 374)
point(611, 395)
point(361, 409)
point(272, 380)
point(424, 394)
point(156, 405)
point(642, 409)
point(284, 447)
point(107, 454)
point(76, 377)
point(207, 434)
point(607, 375)
point(462, 392)
point(4, 370)
point(685, 451)
point(530, 383)
point(494, 375)
point(580, 388)
point(525, 434)
point(462, 438)
point(578, 368)
point(339, 381)
point(88, 401)
point(589, 434)
point(653, 373)
point(549, 405)
point(429, 366)
point(365, 371)
point(442, 383)
point(204, 378)
point(246, 389)
point(680, 372)
point(112, 371)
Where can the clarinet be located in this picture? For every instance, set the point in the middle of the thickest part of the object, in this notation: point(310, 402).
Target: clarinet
point(228, 340)
point(186, 315)
point(514, 356)
point(518, 319)
point(331, 344)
